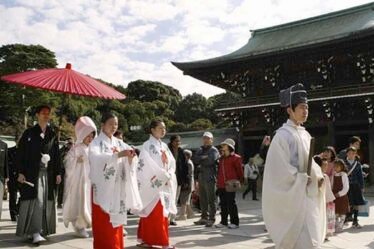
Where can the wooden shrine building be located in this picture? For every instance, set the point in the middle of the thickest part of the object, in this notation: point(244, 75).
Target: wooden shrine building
point(331, 54)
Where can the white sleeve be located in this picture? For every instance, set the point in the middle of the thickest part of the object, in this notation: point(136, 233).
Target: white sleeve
point(246, 171)
point(329, 194)
point(100, 159)
point(345, 189)
point(70, 159)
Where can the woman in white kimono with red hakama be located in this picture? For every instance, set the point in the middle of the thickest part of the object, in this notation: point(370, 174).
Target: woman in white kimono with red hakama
point(77, 192)
point(298, 221)
point(114, 185)
point(157, 187)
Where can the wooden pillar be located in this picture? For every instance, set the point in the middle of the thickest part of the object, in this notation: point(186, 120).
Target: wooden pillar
point(371, 152)
point(331, 132)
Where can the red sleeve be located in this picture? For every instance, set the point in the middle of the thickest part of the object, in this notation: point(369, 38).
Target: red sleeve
point(239, 168)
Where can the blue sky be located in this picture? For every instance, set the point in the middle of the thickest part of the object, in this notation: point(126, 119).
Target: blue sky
point(123, 40)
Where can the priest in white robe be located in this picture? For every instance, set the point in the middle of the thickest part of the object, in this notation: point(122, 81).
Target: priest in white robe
point(298, 220)
point(77, 192)
point(114, 185)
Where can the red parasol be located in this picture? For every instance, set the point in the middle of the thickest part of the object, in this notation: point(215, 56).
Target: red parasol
point(64, 80)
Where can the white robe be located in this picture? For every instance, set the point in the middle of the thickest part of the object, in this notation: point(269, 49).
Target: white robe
point(156, 181)
point(298, 220)
point(77, 192)
point(113, 179)
point(329, 194)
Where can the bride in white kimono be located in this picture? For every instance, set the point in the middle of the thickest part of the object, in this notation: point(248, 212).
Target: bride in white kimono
point(77, 192)
point(298, 221)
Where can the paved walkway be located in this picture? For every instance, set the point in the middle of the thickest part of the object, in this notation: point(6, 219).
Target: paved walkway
point(251, 233)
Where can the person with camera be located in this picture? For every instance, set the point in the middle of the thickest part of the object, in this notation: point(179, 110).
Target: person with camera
point(230, 175)
point(251, 174)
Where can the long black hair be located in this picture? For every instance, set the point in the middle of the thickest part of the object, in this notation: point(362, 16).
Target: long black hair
point(332, 150)
point(39, 108)
point(174, 137)
point(106, 116)
point(154, 124)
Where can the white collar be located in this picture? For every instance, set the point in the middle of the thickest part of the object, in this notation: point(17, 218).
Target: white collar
point(105, 138)
point(340, 173)
point(351, 162)
point(155, 141)
point(292, 124)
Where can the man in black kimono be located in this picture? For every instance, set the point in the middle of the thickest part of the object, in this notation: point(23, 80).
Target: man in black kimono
point(12, 183)
point(39, 173)
point(3, 171)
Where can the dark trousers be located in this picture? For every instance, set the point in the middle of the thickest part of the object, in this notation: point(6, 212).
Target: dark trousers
point(228, 207)
point(207, 199)
point(60, 190)
point(355, 216)
point(12, 188)
point(252, 186)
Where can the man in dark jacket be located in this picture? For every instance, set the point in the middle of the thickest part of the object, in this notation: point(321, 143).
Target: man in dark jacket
point(12, 183)
point(181, 167)
point(63, 152)
point(206, 159)
point(39, 172)
point(3, 171)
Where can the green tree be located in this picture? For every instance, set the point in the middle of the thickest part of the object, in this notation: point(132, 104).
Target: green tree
point(14, 99)
point(15, 58)
point(178, 127)
point(201, 124)
point(192, 107)
point(149, 91)
point(219, 101)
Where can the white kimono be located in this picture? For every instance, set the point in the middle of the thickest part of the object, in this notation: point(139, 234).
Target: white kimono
point(329, 194)
point(298, 221)
point(156, 181)
point(77, 190)
point(114, 182)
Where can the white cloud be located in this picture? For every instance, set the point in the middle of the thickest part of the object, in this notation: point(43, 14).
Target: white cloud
point(203, 32)
point(170, 75)
point(172, 44)
point(136, 33)
point(152, 10)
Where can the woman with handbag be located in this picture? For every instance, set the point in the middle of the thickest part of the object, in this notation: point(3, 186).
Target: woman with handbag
point(230, 175)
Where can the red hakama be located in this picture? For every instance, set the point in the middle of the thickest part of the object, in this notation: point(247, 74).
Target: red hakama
point(154, 229)
point(104, 235)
